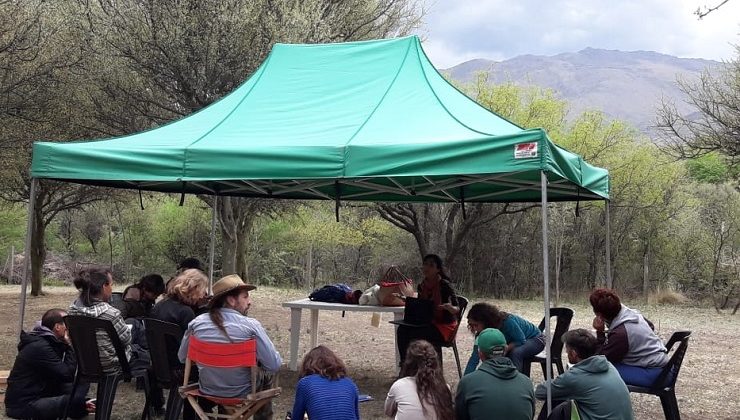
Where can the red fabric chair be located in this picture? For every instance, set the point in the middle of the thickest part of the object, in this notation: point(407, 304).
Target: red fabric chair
point(225, 355)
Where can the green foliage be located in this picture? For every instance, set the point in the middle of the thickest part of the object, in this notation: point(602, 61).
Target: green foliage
point(710, 168)
point(12, 229)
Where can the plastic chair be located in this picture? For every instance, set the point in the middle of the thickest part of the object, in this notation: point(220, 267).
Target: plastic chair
point(225, 355)
point(665, 384)
point(115, 298)
point(462, 304)
point(161, 337)
point(563, 317)
point(83, 334)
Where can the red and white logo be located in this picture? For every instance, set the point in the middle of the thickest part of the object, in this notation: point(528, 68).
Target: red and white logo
point(525, 150)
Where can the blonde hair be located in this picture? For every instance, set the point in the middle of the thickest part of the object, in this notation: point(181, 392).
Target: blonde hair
point(188, 287)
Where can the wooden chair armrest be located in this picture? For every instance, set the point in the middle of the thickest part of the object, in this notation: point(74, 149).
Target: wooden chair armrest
point(268, 393)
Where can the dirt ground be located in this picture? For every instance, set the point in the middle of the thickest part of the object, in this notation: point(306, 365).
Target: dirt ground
point(708, 385)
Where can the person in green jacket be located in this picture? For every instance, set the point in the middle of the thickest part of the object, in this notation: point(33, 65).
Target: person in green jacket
point(592, 382)
point(496, 390)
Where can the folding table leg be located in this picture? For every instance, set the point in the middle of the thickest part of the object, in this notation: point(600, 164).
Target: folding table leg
point(314, 327)
point(295, 337)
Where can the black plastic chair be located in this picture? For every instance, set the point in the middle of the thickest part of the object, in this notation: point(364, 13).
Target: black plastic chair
point(162, 336)
point(83, 334)
point(665, 384)
point(462, 304)
point(563, 317)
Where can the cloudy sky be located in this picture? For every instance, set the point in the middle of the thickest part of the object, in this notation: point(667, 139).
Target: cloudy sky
point(460, 30)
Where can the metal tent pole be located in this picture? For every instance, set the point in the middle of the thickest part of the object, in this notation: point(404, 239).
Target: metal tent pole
point(608, 248)
point(212, 246)
point(546, 277)
point(27, 252)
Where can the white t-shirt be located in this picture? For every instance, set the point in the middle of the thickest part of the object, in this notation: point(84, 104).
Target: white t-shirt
point(404, 401)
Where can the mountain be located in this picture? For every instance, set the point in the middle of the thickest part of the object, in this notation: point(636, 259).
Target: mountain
point(624, 85)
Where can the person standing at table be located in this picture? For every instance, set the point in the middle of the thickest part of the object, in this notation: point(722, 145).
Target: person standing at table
point(436, 287)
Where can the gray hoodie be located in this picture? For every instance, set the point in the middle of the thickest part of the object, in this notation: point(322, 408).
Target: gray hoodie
point(596, 387)
point(632, 341)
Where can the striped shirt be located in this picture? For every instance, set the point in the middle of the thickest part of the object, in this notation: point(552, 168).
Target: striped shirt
point(325, 399)
point(102, 310)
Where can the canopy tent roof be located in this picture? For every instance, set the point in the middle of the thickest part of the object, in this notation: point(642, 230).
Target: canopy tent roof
point(370, 121)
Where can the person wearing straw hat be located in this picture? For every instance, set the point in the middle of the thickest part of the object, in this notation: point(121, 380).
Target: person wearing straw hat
point(496, 390)
point(227, 322)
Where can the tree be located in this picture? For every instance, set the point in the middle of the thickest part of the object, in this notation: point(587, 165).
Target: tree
point(151, 62)
point(701, 12)
point(716, 128)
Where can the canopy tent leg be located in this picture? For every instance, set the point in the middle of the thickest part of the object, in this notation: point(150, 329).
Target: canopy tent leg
point(212, 244)
point(27, 251)
point(546, 277)
point(609, 283)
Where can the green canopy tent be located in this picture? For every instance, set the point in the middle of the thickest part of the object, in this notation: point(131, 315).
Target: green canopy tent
point(369, 121)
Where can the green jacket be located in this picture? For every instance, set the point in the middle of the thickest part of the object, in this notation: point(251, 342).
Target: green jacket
point(495, 391)
point(596, 387)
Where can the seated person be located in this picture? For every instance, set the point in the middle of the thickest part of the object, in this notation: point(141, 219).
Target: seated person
point(227, 322)
point(40, 383)
point(436, 287)
point(184, 294)
point(96, 286)
point(524, 340)
point(496, 390)
point(592, 382)
point(324, 391)
point(630, 344)
point(421, 393)
point(138, 299)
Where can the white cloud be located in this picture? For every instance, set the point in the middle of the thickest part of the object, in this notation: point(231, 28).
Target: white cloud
point(459, 30)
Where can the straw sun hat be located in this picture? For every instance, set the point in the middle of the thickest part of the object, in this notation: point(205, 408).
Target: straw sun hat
point(228, 284)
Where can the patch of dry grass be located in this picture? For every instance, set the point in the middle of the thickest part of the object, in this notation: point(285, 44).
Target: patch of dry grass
point(666, 297)
point(708, 386)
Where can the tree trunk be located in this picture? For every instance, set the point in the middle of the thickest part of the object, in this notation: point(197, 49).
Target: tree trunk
point(645, 272)
point(38, 249)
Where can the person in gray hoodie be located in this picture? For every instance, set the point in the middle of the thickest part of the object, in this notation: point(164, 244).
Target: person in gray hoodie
point(496, 390)
point(630, 342)
point(592, 383)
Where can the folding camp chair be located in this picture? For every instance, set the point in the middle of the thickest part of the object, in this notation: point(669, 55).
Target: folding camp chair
point(225, 355)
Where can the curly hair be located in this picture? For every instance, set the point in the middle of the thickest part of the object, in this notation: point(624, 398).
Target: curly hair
point(485, 313)
point(188, 287)
point(422, 362)
point(322, 361)
point(605, 302)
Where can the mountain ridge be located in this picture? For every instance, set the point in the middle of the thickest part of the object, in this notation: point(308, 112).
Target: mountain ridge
point(626, 85)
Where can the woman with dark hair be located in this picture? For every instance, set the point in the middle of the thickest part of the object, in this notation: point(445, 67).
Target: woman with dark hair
point(480, 317)
point(436, 287)
point(421, 393)
point(630, 344)
point(324, 391)
point(524, 340)
point(138, 299)
point(96, 287)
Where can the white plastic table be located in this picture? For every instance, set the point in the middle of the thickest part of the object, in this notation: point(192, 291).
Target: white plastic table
point(297, 307)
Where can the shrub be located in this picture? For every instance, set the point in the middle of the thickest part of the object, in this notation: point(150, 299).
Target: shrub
point(666, 297)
